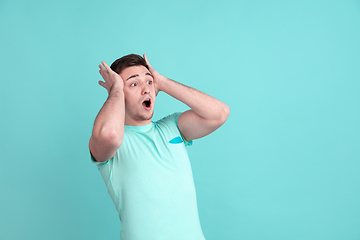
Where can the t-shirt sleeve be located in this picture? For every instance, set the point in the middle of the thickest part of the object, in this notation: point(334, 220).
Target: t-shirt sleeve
point(100, 164)
point(174, 117)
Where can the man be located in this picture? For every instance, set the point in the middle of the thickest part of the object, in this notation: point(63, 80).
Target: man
point(144, 164)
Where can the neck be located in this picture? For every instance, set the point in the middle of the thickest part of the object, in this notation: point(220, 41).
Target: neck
point(135, 122)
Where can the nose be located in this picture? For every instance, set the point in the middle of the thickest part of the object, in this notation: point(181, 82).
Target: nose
point(146, 89)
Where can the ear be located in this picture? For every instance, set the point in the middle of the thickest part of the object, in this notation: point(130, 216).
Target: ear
point(156, 91)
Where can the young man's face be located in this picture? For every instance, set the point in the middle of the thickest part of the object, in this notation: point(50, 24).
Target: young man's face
point(140, 95)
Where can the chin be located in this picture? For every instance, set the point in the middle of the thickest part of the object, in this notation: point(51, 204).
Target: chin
point(147, 116)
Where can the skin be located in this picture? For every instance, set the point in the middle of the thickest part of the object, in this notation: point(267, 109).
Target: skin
point(138, 86)
point(124, 105)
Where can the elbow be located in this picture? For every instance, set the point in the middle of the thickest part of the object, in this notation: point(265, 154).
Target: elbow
point(112, 138)
point(109, 137)
point(224, 114)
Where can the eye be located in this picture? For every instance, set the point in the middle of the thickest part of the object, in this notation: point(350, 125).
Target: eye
point(149, 82)
point(134, 84)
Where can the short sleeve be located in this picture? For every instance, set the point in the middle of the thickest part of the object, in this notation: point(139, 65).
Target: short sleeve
point(175, 117)
point(100, 164)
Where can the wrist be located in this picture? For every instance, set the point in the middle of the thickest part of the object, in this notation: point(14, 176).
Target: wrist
point(161, 84)
point(116, 89)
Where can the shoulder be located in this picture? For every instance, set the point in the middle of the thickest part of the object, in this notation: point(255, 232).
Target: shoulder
point(170, 119)
point(169, 126)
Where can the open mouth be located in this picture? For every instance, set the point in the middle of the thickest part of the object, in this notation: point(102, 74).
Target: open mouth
point(147, 103)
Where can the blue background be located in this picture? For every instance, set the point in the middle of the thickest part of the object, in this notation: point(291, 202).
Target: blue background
point(284, 166)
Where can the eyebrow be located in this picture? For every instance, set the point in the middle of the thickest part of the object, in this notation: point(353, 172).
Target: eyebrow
point(136, 75)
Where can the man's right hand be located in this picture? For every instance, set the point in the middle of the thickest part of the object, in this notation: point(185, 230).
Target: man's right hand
point(108, 130)
point(111, 78)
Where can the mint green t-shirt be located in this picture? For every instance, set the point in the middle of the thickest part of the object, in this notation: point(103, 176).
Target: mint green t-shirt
point(151, 184)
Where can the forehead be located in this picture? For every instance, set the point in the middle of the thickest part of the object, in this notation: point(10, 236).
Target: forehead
point(134, 70)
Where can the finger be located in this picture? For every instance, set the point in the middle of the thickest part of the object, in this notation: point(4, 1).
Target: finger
point(101, 83)
point(146, 60)
point(103, 72)
point(106, 66)
point(101, 67)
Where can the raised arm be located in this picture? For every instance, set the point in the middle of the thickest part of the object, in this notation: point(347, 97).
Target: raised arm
point(207, 113)
point(108, 130)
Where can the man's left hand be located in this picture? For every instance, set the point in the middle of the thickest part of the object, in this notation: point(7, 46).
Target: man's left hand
point(158, 78)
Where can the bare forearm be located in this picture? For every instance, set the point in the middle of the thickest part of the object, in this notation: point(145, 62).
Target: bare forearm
point(204, 105)
point(109, 123)
point(207, 113)
point(108, 130)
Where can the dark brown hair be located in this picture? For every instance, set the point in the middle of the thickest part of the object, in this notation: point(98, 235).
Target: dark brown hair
point(128, 61)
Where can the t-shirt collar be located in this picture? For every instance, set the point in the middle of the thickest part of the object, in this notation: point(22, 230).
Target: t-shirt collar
point(141, 128)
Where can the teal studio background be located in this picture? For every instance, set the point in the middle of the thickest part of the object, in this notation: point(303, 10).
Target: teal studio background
point(284, 166)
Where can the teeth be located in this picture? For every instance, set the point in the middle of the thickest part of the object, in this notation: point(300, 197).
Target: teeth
point(147, 103)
